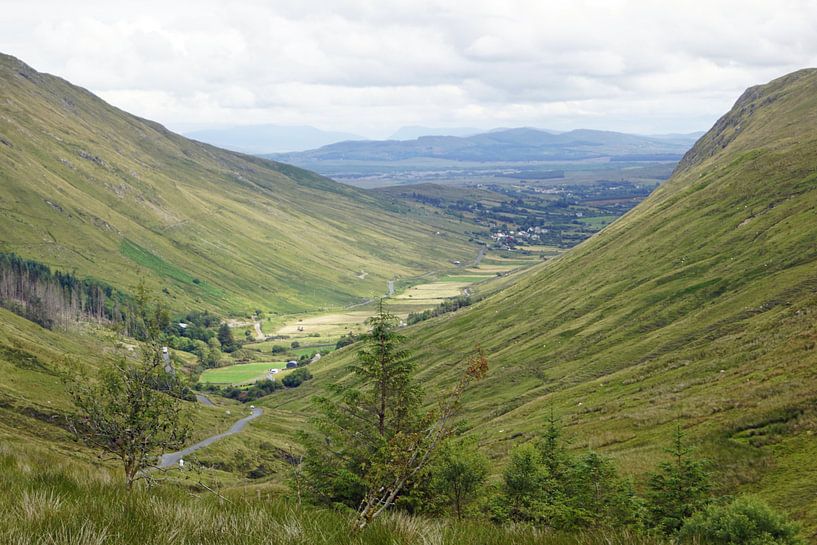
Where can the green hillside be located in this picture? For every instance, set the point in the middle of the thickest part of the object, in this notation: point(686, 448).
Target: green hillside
point(699, 307)
point(88, 188)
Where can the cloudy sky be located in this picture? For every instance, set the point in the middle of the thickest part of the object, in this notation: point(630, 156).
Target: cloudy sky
point(369, 67)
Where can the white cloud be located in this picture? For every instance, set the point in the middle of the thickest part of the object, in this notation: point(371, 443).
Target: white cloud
point(371, 66)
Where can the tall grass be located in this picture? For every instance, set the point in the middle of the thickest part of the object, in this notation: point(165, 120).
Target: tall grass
point(48, 500)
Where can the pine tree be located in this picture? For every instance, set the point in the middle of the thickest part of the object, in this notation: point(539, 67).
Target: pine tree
point(357, 422)
point(553, 450)
point(384, 373)
point(679, 488)
point(373, 440)
point(225, 337)
point(524, 481)
point(598, 496)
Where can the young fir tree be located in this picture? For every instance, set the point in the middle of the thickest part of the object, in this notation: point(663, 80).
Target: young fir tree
point(356, 422)
point(599, 497)
point(554, 451)
point(543, 483)
point(679, 488)
point(524, 482)
point(373, 439)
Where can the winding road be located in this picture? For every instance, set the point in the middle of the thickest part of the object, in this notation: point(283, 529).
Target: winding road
point(172, 459)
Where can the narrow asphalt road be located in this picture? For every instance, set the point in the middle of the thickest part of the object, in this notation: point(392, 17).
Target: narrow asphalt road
point(172, 459)
point(204, 400)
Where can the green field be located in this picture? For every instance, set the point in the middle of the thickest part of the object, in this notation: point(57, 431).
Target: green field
point(332, 325)
point(241, 373)
point(323, 349)
point(599, 221)
point(459, 279)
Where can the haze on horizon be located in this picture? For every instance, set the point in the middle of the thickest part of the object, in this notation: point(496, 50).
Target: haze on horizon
point(370, 68)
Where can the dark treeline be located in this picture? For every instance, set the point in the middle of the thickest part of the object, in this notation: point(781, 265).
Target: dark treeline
point(55, 299)
point(449, 305)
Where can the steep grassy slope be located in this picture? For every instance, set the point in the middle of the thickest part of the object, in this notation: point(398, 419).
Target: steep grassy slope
point(698, 307)
point(88, 187)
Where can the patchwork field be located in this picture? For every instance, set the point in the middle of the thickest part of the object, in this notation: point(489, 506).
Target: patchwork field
point(319, 332)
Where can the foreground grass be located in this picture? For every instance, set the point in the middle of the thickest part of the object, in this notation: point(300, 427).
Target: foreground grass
point(52, 500)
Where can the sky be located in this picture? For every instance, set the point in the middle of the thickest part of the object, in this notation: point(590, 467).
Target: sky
point(370, 67)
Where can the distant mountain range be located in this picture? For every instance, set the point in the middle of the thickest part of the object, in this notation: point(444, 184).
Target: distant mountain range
point(258, 139)
point(416, 131)
point(504, 145)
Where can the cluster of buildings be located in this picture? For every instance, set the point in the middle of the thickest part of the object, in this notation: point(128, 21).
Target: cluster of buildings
point(531, 234)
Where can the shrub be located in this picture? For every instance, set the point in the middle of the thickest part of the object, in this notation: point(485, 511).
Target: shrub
point(345, 341)
point(297, 377)
point(278, 349)
point(459, 475)
point(745, 521)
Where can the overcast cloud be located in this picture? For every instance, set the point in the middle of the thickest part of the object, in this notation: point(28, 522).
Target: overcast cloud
point(369, 67)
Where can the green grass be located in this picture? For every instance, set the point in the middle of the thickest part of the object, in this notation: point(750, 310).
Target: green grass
point(465, 278)
point(51, 500)
point(240, 373)
point(144, 258)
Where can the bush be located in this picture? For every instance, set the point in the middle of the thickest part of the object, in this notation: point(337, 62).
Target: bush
point(459, 475)
point(258, 390)
point(295, 344)
point(297, 377)
point(745, 521)
point(345, 341)
point(278, 349)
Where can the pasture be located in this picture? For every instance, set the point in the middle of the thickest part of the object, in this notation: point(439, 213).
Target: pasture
point(240, 373)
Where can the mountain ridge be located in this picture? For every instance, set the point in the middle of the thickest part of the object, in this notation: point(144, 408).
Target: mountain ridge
point(90, 188)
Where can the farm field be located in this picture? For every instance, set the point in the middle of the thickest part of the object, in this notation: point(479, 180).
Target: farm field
point(240, 373)
point(435, 291)
point(414, 298)
point(467, 279)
